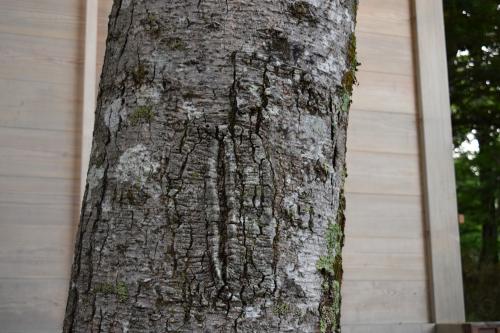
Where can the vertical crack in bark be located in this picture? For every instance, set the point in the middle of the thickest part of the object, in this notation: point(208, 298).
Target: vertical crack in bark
point(212, 212)
point(263, 98)
point(122, 49)
point(223, 215)
point(233, 111)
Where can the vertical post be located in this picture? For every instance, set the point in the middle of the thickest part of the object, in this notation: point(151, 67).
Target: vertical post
point(89, 87)
point(445, 269)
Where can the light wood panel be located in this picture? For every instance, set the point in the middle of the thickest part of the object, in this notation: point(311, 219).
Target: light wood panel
point(384, 216)
point(41, 59)
point(38, 191)
point(49, 213)
point(34, 250)
point(383, 132)
point(31, 22)
point(385, 272)
point(40, 103)
point(390, 17)
point(384, 53)
point(44, 105)
point(384, 302)
point(89, 88)
point(384, 92)
point(32, 305)
point(383, 267)
point(383, 173)
point(389, 328)
point(70, 8)
point(441, 206)
point(53, 153)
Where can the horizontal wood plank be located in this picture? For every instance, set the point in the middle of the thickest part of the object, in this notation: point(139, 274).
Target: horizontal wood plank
point(32, 305)
point(375, 215)
point(40, 24)
point(52, 152)
point(42, 59)
point(72, 8)
point(42, 215)
point(384, 302)
point(35, 251)
point(42, 105)
point(384, 53)
point(39, 191)
point(382, 132)
point(383, 173)
point(389, 328)
point(384, 267)
point(384, 92)
point(384, 246)
point(390, 17)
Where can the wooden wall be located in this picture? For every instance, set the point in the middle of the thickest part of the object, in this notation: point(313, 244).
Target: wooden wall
point(385, 286)
point(41, 44)
point(385, 279)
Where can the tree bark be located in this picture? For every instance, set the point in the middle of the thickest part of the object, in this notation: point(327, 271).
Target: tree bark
point(214, 193)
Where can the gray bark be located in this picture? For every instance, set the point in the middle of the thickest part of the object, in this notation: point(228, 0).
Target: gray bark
point(214, 192)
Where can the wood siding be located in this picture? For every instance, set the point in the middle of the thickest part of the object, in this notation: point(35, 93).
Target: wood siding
point(41, 45)
point(385, 282)
point(385, 275)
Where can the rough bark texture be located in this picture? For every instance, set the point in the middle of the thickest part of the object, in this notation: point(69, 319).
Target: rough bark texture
point(214, 193)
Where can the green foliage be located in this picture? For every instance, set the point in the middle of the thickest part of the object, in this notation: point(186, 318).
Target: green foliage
point(473, 46)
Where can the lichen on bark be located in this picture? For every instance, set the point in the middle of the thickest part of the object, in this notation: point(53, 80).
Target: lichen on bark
point(214, 194)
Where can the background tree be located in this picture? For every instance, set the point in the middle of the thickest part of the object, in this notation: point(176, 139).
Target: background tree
point(472, 32)
point(214, 193)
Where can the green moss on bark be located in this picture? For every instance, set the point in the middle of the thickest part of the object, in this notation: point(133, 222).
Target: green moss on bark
point(142, 114)
point(120, 290)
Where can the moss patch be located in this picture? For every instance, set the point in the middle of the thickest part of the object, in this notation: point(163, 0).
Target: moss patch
point(283, 310)
point(120, 290)
point(175, 43)
point(330, 313)
point(139, 74)
point(349, 77)
point(152, 25)
point(330, 266)
point(141, 114)
point(329, 263)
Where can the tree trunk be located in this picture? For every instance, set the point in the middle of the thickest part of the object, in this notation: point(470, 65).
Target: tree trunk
point(214, 192)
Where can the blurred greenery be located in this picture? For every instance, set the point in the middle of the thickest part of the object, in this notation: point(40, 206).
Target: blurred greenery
point(472, 33)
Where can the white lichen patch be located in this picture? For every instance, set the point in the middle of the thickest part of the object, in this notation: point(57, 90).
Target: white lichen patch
point(251, 312)
point(192, 111)
point(315, 133)
point(112, 114)
point(94, 178)
point(273, 110)
point(136, 165)
point(125, 326)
